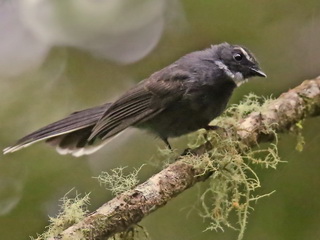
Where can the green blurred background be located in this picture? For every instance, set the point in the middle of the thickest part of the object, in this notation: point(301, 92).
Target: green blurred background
point(283, 34)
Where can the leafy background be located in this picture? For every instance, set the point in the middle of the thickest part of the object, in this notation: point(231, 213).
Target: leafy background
point(65, 77)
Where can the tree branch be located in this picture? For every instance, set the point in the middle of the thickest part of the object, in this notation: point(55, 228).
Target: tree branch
point(132, 206)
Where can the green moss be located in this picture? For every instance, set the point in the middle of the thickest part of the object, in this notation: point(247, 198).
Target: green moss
point(73, 210)
point(297, 129)
point(117, 182)
point(135, 232)
point(233, 182)
point(236, 112)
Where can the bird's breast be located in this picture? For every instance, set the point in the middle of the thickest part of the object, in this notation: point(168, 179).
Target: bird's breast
point(195, 110)
point(209, 101)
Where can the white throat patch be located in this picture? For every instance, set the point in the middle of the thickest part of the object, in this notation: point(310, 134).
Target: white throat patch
point(237, 77)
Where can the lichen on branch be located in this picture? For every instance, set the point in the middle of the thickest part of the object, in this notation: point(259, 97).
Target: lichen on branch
point(233, 182)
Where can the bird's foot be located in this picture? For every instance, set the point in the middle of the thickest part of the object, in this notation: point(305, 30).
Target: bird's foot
point(165, 140)
point(212, 128)
point(219, 130)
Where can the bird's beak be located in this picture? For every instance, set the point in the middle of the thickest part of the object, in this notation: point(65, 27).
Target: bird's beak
point(258, 72)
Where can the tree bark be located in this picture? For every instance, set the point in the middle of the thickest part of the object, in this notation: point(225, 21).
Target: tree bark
point(132, 206)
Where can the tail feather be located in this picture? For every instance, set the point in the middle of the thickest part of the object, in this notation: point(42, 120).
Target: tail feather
point(70, 133)
point(76, 143)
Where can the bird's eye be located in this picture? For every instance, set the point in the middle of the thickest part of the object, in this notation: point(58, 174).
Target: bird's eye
point(238, 57)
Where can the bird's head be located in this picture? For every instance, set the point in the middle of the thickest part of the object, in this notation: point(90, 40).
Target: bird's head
point(237, 62)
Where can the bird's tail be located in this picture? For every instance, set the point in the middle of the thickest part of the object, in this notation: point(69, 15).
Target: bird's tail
point(68, 135)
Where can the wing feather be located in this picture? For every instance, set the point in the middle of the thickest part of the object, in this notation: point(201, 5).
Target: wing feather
point(144, 101)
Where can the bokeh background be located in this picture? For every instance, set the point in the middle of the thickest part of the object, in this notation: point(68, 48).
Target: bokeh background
point(57, 57)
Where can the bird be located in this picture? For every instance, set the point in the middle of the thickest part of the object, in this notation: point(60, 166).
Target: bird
point(181, 98)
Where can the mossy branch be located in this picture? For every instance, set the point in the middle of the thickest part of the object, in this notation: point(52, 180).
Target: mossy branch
point(130, 207)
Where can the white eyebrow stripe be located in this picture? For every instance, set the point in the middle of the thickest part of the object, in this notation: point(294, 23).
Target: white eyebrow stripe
point(245, 53)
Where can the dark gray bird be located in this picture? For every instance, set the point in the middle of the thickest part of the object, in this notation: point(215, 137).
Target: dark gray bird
point(180, 98)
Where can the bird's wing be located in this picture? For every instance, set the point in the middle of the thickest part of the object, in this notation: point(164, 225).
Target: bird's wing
point(144, 101)
point(73, 123)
